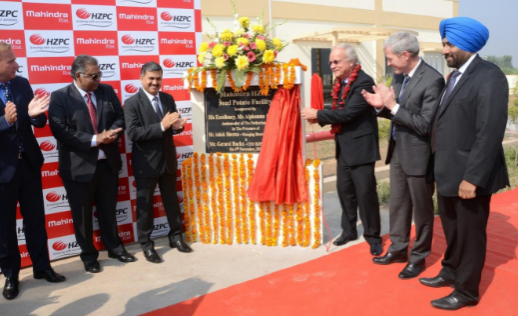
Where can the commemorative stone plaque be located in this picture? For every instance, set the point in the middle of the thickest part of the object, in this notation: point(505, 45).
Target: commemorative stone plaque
point(235, 121)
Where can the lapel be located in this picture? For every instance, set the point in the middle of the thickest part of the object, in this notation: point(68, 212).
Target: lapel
point(463, 79)
point(165, 105)
point(418, 74)
point(79, 105)
point(16, 94)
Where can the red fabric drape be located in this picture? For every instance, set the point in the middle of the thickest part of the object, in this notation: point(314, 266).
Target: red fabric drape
point(279, 174)
point(317, 92)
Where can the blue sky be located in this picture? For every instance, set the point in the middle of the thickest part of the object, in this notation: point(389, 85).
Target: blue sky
point(501, 18)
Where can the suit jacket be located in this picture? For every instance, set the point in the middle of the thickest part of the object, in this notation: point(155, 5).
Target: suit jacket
point(71, 125)
point(21, 132)
point(153, 151)
point(357, 142)
point(469, 132)
point(414, 118)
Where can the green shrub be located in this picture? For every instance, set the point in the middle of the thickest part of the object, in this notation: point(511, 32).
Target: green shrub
point(383, 128)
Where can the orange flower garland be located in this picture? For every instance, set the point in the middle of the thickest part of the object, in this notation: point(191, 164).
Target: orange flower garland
point(213, 200)
point(206, 203)
point(300, 224)
point(268, 219)
point(189, 78)
point(213, 77)
point(221, 201)
point(187, 202)
point(228, 198)
point(291, 225)
point(262, 225)
point(251, 204)
point(243, 197)
point(316, 202)
point(237, 206)
point(248, 80)
point(285, 234)
point(276, 225)
point(307, 209)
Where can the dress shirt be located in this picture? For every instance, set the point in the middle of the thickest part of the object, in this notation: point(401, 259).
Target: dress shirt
point(410, 75)
point(462, 69)
point(150, 96)
point(2, 97)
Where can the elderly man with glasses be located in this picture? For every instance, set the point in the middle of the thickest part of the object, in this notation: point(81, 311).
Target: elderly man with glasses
point(86, 118)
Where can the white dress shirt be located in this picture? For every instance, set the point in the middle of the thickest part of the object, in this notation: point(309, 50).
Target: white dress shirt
point(150, 96)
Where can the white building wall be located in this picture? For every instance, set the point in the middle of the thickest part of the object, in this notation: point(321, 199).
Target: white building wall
point(352, 4)
point(435, 8)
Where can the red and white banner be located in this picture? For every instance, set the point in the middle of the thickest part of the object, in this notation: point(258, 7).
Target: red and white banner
point(46, 35)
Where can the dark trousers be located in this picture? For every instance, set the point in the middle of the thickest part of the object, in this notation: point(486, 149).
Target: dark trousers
point(357, 188)
point(26, 188)
point(407, 194)
point(464, 223)
point(145, 190)
point(103, 189)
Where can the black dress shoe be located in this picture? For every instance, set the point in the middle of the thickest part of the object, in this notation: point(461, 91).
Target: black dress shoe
point(49, 275)
point(412, 270)
point(92, 266)
point(438, 281)
point(152, 256)
point(376, 249)
point(181, 245)
point(11, 288)
point(452, 303)
point(391, 257)
point(123, 257)
point(342, 240)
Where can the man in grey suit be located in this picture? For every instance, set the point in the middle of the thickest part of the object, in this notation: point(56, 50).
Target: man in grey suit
point(409, 104)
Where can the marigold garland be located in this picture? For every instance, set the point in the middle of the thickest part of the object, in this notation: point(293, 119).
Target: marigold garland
point(336, 128)
point(237, 205)
point(243, 199)
point(206, 203)
point(228, 199)
point(213, 77)
point(262, 225)
point(285, 233)
point(213, 200)
point(299, 215)
point(268, 219)
point(276, 225)
point(251, 204)
point(186, 203)
point(291, 225)
point(221, 201)
point(307, 209)
point(198, 197)
point(316, 202)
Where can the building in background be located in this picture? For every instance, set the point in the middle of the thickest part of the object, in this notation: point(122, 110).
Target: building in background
point(314, 26)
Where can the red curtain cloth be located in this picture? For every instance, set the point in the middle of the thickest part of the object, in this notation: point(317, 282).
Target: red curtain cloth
point(279, 174)
point(317, 92)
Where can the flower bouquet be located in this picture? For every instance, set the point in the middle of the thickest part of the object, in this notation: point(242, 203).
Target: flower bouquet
point(236, 55)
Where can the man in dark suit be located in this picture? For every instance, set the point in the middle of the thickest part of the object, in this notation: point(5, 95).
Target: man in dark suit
point(469, 162)
point(356, 137)
point(151, 121)
point(86, 118)
point(417, 87)
point(20, 175)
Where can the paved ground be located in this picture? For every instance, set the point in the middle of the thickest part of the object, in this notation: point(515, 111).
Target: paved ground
point(139, 287)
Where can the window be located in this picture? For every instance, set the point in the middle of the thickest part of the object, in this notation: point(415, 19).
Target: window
point(435, 60)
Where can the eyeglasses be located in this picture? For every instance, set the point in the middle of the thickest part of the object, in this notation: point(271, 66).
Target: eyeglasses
point(335, 62)
point(93, 76)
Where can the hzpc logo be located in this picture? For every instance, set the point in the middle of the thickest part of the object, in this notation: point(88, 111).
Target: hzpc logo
point(176, 19)
point(49, 43)
point(138, 43)
point(94, 17)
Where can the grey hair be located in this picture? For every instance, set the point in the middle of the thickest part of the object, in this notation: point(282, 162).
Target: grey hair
point(402, 42)
point(350, 52)
point(79, 64)
point(150, 66)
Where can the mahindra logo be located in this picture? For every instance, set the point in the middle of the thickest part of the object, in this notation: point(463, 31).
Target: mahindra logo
point(180, 199)
point(128, 40)
point(47, 146)
point(37, 39)
point(53, 197)
point(59, 245)
point(83, 14)
point(166, 16)
point(41, 93)
point(130, 88)
point(168, 63)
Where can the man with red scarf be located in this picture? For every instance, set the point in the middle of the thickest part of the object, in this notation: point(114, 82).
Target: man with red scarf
point(353, 121)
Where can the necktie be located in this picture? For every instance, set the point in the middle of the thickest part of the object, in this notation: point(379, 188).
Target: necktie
point(407, 79)
point(449, 89)
point(157, 108)
point(92, 110)
point(7, 93)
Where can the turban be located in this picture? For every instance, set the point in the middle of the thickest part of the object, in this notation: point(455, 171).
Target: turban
point(466, 33)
